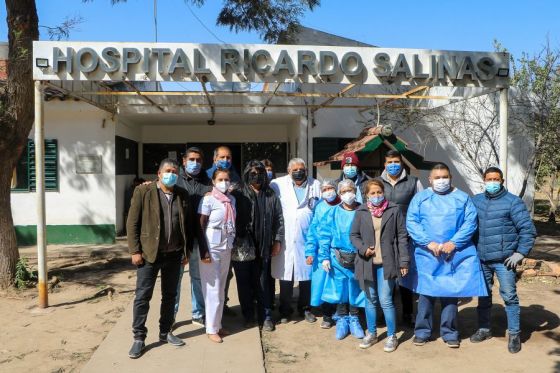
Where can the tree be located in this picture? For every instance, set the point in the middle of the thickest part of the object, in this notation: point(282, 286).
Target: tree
point(537, 78)
point(269, 18)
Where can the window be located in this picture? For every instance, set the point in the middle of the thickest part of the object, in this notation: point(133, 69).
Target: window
point(24, 178)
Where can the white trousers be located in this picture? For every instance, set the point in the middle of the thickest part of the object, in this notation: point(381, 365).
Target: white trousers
point(213, 277)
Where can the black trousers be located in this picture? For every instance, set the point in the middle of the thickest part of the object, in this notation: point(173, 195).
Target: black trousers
point(344, 309)
point(286, 293)
point(146, 275)
point(253, 283)
point(228, 280)
point(407, 299)
point(328, 309)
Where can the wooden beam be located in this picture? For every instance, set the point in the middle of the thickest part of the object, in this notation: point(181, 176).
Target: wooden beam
point(271, 96)
point(81, 98)
point(132, 86)
point(339, 94)
point(208, 98)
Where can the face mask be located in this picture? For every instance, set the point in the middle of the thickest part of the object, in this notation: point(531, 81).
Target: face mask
point(223, 163)
point(169, 179)
point(441, 185)
point(350, 171)
point(393, 169)
point(193, 167)
point(493, 186)
point(329, 195)
point(376, 201)
point(256, 179)
point(223, 186)
point(298, 175)
point(269, 175)
point(348, 198)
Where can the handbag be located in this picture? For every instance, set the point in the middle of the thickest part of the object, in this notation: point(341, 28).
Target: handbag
point(345, 258)
point(243, 249)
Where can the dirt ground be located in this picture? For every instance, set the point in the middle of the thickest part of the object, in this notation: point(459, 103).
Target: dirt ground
point(64, 336)
point(303, 347)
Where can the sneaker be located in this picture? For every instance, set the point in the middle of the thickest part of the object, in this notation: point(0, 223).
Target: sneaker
point(480, 336)
point(268, 326)
point(514, 343)
point(342, 328)
point(369, 340)
point(355, 328)
point(419, 341)
point(391, 344)
point(171, 339)
point(198, 321)
point(136, 349)
point(452, 343)
point(327, 323)
point(309, 317)
point(228, 311)
point(284, 320)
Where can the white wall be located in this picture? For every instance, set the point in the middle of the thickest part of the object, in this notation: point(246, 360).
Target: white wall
point(81, 199)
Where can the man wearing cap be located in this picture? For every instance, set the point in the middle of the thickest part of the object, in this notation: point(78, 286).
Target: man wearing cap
point(400, 187)
point(351, 170)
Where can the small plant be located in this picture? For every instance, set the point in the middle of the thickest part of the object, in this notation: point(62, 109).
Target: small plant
point(23, 275)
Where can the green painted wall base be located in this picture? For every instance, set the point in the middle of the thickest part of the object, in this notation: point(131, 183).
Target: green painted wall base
point(67, 234)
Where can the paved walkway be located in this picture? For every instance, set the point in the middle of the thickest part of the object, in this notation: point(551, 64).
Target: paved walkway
point(240, 352)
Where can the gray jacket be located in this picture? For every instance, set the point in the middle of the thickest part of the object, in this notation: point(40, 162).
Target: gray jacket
point(394, 243)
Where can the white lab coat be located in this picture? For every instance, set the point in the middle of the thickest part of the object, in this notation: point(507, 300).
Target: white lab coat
point(290, 263)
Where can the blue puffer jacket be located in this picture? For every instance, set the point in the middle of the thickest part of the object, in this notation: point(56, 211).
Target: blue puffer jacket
point(504, 226)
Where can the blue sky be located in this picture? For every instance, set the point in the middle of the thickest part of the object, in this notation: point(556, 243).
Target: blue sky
point(429, 24)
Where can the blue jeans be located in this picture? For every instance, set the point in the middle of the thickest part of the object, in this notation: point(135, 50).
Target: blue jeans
point(508, 291)
point(380, 291)
point(424, 318)
point(197, 299)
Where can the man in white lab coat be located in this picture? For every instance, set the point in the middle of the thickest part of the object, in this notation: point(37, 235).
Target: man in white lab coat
point(298, 195)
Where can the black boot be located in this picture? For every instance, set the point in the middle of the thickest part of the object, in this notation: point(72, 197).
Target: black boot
point(514, 343)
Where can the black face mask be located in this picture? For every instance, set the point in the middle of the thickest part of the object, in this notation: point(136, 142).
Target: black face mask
point(298, 175)
point(256, 178)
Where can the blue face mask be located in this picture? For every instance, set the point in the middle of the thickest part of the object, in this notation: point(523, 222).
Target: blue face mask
point(193, 167)
point(350, 171)
point(376, 201)
point(493, 187)
point(169, 179)
point(223, 163)
point(393, 169)
point(269, 175)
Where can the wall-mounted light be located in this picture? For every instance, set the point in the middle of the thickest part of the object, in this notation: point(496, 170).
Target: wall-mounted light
point(211, 122)
point(503, 72)
point(42, 62)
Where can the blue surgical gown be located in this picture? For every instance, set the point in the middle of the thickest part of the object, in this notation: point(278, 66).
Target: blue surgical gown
point(440, 218)
point(322, 213)
point(340, 286)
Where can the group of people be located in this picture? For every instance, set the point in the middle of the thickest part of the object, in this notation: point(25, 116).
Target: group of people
point(347, 243)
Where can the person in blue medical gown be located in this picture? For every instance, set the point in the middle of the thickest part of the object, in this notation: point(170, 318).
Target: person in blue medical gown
point(337, 255)
point(441, 221)
point(323, 211)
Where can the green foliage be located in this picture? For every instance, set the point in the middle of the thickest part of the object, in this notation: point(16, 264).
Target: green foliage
point(24, 277)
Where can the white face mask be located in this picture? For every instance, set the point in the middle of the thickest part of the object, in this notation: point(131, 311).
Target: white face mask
point(441, 185)
point(329, 195)
point(348, 198)
point(223, 186)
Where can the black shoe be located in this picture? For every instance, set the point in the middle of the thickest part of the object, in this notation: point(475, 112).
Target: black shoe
point(452, 343)
point(327, 323)
point(419, 341)
point(171, 339)
point(409, 320)
point(198, 321)
point(268, 326)
point(480, 336)
point(136, 349)
point(229, 312)
point(249, 323)
point(514, 343)
point(309, 317)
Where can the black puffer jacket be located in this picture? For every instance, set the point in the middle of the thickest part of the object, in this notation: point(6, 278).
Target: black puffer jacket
point(272, 225)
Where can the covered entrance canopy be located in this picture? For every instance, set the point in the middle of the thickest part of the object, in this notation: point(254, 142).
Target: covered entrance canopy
point(162, 81)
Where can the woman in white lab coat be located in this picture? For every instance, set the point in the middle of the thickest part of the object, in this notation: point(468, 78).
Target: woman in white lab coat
point(298, 195)
point(217, 220)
